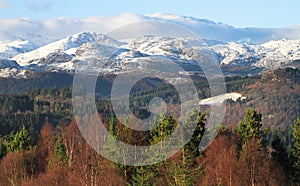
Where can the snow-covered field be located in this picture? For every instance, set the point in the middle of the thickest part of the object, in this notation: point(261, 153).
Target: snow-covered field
point(221, 98)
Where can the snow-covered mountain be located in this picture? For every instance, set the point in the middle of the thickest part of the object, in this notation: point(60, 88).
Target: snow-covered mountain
point(268, 55)
point(95, 51)
point(9, 68)
point(280, 52)
point(11, 49)
point(67, 46)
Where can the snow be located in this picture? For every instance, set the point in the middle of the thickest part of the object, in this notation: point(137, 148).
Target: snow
point(32, 44)
point(71, 51)
point(267, 55)
point(278, 52)
point(67, 45)
point(216, 100)
point(101, 52)
point(165, 46)
point(13, 48)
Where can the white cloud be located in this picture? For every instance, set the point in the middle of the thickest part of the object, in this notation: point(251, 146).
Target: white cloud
point(57, 28)
point(4, 4)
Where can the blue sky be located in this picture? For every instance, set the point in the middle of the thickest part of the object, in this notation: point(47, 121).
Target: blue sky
point(239, 13)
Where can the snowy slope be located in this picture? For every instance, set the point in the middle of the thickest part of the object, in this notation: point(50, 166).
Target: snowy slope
point(216, 100)
point(4, 63)
point(277, 53)
point(268, 55)
point(13, 48)
point(236, 53)
point(9, 68)
point(164, 45)
point(67, 45)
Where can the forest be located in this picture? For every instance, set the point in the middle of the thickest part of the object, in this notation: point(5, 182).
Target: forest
point(258, 142)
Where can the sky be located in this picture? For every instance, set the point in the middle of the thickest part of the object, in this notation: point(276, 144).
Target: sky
point(238, 13)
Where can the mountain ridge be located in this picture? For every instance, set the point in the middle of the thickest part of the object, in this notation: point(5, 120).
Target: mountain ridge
point(88, 48)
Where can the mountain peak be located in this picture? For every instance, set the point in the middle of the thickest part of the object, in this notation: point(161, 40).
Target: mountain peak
point(68, 44)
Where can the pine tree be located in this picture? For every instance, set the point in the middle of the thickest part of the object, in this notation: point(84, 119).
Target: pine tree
point(184, 171)
point(112, 127)
point(165, 127)
point(143, 176)
point(60, 155)
point(252, 155)
point(191, 120)
point(19, 141)
point(251, 127)
point(296, 152)
point(163, 130)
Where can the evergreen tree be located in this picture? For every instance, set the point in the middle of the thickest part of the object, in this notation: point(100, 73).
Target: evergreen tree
point(142, 176)
point(193, 144)
point(163, 130)
point(251, 126)
point(60, 155)
point(296, 152)
point(19, 141)
point(252, 155)
point(184, 171)
point(164, 127)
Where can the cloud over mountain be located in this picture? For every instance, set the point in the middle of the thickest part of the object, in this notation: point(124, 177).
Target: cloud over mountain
point(57, 28)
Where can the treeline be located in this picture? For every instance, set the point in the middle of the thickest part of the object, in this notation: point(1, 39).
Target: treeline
point(238, 156)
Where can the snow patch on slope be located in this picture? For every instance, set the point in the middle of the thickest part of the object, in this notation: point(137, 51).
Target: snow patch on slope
point(216, 100)
point(13, 48)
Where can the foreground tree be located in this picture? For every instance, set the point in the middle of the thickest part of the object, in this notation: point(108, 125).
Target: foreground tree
point(261, 169)
point(250, 128)
point(21, 140)
point(184, 168)
point(19, 166)
point(295, 159)
point(221, 163)
point(143, 176)
point(46, 145)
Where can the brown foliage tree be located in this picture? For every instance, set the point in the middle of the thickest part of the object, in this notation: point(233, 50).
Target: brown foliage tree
point(18, 166)
point(45, 145)
point(221, 163)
